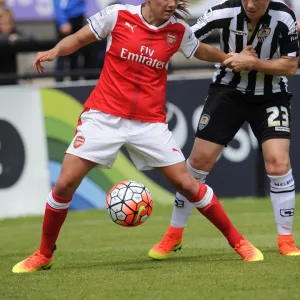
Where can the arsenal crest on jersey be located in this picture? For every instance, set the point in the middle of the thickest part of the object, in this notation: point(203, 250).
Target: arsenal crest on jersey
point(171, 39)
point(263, 33)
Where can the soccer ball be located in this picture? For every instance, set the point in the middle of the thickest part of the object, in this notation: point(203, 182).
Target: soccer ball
point(129, 203)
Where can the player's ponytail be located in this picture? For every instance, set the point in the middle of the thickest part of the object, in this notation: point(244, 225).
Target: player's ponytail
point(182, 11)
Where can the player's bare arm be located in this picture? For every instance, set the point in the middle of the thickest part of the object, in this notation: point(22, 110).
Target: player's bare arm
point(65, 47)
point(209, 53)
point(298, 26)
point(283, 66)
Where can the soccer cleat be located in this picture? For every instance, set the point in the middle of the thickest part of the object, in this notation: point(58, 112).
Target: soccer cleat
point(34, 262)
point(287, 246)
point(171, 241)
point(248, 252)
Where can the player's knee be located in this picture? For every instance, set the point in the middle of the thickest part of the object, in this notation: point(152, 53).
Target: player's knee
point(204, 162)
point(199, 175)
point(187, 185)
point(276, 166)
point(65, 188)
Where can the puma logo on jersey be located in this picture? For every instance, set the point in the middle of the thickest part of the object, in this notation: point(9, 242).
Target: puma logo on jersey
point(131, 27)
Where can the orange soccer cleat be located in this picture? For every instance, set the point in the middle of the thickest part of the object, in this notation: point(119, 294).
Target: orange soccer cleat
point(248, 252)
point(171, 241)
point(287, 245)
point(33, 263)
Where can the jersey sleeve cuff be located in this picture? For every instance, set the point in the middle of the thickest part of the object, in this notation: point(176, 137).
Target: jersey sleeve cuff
point(194, 50)
point(98, 37)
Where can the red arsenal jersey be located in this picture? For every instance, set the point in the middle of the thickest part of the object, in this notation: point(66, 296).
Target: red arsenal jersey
point(133, 81)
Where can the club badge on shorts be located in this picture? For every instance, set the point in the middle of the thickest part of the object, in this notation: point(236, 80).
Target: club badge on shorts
point(79, 141)
point(171, 39)
point(203, 121)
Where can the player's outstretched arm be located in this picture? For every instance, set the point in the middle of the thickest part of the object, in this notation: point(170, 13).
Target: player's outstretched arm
point(298, 26)
point(66, 46)
point(209, 53)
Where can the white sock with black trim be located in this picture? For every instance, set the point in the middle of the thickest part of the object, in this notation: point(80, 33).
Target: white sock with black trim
point(282, 193)
point(182, 207)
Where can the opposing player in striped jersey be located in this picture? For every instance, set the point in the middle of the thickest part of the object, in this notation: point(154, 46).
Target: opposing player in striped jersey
point(127, 107)
point(248, 89)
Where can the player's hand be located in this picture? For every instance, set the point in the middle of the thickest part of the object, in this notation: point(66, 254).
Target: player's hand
point(249, 51)
point(41, 57)
point(246, 51)
point(65, 29)
point(239, 62)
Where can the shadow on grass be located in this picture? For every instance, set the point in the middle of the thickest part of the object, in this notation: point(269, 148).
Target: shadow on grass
point(128, 263)
point(147, 263)
point(173, 260)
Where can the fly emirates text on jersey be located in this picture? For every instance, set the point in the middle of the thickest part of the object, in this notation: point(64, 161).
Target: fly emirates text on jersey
point(145, 57)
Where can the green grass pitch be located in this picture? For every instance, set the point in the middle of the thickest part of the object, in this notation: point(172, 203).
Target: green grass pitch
point(97, 259)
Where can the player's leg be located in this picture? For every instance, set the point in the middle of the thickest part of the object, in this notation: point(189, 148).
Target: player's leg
point(203, 198)
point(73, 171)
point(270, 122)
point(85, 152)
point(282, 191)
point(203, 152)
point(220, 120)
point(202, 159)
point(156, 148)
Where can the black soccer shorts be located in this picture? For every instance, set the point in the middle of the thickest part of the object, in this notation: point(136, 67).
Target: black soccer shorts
point(226, 109)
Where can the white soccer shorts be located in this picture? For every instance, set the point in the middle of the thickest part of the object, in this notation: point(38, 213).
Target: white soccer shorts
point(100, 136)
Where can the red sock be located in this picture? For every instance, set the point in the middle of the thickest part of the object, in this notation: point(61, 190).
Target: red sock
point(200, 194)
point(216, 214)
point(53, 221)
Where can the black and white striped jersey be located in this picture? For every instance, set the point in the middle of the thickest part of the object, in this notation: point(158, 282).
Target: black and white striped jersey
point(274, 36)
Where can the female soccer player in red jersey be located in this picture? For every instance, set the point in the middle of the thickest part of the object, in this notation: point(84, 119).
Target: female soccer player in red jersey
point(127, 108)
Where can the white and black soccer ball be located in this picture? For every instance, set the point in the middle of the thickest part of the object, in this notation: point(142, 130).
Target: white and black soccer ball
point(129, 203)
